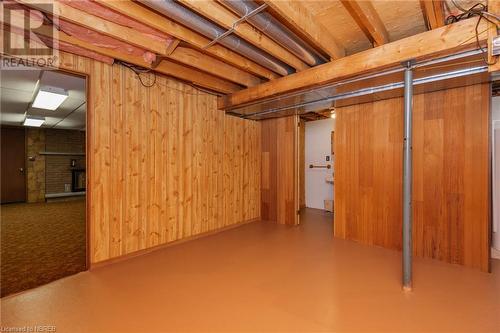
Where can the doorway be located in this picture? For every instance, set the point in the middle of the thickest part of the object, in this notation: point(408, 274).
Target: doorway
point(43, 177)
point(316, 160)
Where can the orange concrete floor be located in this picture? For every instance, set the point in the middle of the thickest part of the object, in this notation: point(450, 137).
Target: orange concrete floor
point(265, 277)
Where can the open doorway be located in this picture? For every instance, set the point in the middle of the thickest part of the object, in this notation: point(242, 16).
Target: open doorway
point(43, 177)
point(316, 138)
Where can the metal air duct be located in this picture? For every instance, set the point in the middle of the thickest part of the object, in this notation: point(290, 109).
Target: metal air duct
point(275, 30)
point(210, 30)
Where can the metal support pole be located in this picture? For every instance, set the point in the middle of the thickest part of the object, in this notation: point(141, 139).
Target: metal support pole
point(407, 178)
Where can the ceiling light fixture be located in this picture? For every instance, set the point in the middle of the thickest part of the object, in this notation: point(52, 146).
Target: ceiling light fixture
point(49, 98)
point(33, 121)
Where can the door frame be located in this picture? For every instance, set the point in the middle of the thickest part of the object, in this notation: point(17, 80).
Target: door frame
point(88, 170)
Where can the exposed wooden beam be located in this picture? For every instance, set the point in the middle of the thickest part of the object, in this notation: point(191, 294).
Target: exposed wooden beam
point(225, 18)
point(164, 24)
point(76, 16)
point(173, 45)
point(196, 77)
point(194, 59)
point(441, 41)
point(433, 12)
point(302, 20)
point(368, 20)
point(191, 57)
point(165, 67)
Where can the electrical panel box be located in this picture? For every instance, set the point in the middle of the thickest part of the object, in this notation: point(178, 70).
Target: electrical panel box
point(495, 46)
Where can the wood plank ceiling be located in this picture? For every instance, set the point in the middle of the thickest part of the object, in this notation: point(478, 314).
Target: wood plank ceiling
point(331, 29)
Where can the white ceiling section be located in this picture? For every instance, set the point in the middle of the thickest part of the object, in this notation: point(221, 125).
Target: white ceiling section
point(17, 93)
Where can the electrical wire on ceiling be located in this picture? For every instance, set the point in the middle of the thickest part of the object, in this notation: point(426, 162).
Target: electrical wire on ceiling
point(140, 72)
point(481, 11)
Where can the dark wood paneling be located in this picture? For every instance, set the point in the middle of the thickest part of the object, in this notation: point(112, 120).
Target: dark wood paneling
point(13, 165)
point(279, 185)
point(450, 174)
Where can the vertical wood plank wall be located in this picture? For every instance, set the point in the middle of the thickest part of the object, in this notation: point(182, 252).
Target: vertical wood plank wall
point(279, 170)
point(164, 163)
point(451, 191)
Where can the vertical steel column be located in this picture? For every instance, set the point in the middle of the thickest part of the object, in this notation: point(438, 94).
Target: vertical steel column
point(407, 177)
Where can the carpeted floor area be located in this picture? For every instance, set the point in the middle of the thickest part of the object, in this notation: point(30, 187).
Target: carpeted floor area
point(41, 242)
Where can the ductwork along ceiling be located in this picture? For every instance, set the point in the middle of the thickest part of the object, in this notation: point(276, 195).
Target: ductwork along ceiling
point(226, 45)
point(261, 20)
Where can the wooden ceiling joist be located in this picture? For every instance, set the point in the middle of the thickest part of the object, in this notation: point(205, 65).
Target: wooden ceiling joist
point(368, 21)
point(191, 58)
point(441, 41)
point(194, 58)
point(433, 12)
point(225, 18)
point(302, 20)
point(76, 16)
point(173, 45)
point(164, 67)
point(165, 25)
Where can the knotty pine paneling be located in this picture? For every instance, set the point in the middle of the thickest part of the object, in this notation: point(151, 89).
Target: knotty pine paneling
point(280, 181)
point(450, 174)
point(163, 163)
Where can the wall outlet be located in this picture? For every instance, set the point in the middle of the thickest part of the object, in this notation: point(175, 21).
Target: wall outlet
point(328, 158)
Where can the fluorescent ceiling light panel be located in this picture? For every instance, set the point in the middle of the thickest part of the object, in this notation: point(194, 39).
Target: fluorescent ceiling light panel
point(33, 121)
point(49, 98)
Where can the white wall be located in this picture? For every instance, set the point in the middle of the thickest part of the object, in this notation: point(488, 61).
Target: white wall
point(495, 116)
point(317, 147)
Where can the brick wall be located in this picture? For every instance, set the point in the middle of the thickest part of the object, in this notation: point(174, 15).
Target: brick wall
point(49, 173)
point(35, 166)
point(58, 167)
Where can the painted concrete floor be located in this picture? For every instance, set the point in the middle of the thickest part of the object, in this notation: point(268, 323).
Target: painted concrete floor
point(264, 277)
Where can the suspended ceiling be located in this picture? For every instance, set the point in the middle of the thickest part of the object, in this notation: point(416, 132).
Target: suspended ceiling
point(17, 93)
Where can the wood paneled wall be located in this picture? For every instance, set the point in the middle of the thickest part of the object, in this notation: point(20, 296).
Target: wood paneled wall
point(164, 163)
point(368, 169)
point(451, 192)
point(280, 170)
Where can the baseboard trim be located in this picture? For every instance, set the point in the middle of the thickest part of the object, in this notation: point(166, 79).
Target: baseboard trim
point(163, 246)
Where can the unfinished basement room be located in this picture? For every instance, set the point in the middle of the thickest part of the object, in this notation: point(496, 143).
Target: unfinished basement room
point(250, 166)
